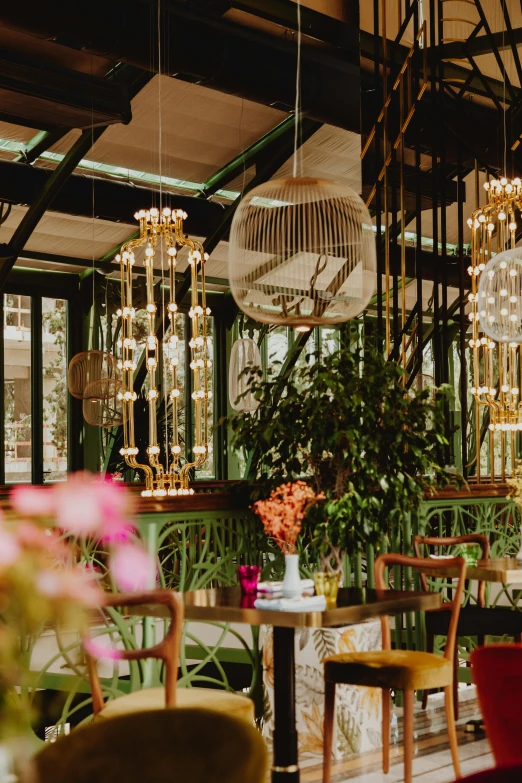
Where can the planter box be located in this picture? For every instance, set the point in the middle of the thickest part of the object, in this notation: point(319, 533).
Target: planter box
point(358, 710)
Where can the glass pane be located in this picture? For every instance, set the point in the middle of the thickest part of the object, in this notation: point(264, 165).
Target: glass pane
point(17, 387)
point(54, 368)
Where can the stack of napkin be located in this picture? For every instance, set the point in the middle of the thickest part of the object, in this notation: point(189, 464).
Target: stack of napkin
point(277, 587)
point(312, 603)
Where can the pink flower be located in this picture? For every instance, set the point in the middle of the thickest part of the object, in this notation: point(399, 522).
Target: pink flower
point(87, 507)
point(9, 548)
point(33, 501)
point(74, 584)
point(101, 647)
point(133, 568)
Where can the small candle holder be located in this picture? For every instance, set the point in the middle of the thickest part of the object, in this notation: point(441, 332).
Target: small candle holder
point(248, 576)
point(328, 585)
point(471, 553)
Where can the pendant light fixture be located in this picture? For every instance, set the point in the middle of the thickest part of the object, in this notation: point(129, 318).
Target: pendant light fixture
point(163, 234)
point(302, 250)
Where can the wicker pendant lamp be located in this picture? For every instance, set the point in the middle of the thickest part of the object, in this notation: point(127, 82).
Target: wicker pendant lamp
point(101, 406)
point(89, 368)
point(302, 253)
point(244, 354)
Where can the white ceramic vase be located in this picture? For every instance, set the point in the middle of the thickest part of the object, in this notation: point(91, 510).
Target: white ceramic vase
point(292, 581)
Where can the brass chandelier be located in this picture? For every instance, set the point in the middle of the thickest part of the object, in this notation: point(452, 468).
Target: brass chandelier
point(497, 380)
point(161, 234)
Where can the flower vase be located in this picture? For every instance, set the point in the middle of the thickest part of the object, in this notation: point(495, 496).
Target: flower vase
point(292, 581)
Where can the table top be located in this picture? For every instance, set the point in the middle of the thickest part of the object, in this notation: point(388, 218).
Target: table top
point(354, 605)
point(501, 569)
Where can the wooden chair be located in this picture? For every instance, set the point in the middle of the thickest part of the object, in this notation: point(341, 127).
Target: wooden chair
point(167, 650)
point(497, 673)
point(474, 619)
point(403, 670)
point(163, 746)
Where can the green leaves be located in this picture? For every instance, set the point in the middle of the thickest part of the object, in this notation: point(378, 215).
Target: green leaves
point(346, 423)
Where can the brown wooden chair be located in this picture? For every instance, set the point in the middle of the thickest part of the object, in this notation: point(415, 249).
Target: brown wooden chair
point(167, 650)
point(474, 619)
point(403, 670)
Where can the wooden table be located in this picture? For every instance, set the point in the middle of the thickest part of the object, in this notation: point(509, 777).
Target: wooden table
point(506, 570)
point(354, 605)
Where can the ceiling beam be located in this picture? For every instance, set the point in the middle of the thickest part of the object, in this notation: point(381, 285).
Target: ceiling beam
point(96, 197)
point(203, 49)
point(54, 183)
point(49, 97)
point(482, 44)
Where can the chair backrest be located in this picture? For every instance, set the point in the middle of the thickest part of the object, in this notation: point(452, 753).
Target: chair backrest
point(165, 746)
point(167, 650)
point(497, 672)
point(424, 565)
point(443, 541)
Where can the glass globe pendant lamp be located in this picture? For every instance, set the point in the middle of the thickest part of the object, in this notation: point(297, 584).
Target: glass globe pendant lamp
point(244, 355)
point(500, 297)
point(302, 253)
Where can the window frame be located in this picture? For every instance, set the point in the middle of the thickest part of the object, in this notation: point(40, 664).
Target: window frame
point(38, 285)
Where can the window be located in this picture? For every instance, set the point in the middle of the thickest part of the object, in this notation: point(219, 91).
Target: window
point(35, 388)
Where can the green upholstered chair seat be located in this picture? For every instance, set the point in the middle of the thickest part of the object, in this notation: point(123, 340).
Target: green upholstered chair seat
point(207, 698)
point(163, 746)
point(397, 669)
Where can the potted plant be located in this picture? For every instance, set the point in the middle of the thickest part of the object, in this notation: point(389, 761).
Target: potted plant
point(347, 425)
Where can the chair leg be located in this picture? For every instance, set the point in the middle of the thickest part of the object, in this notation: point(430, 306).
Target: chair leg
point(386, 698)
point(430, 644)
point(452, 729)
point(329, 711)
point(456, 681)
point(408, 734)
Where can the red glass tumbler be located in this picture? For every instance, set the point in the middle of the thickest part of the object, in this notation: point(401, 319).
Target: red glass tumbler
point(248, 578)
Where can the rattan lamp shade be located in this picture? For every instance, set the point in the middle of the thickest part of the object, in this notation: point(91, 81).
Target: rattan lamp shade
point(302, 253)
point(245, 353)
point(90, 367)
point(499, 304)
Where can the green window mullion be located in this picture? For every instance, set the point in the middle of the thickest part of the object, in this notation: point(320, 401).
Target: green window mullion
point(37, 475)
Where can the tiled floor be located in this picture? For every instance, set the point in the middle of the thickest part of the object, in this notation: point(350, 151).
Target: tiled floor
point(432, 760)
point(431, 764)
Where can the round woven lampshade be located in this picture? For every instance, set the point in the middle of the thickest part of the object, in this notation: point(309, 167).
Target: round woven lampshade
point(101, 406)
point(302, 253)
point(89, 367)
point(499, 297)
point(245, 353)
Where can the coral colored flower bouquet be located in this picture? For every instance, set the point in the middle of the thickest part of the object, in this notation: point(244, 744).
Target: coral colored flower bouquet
point(282, 513)
point(48, 580)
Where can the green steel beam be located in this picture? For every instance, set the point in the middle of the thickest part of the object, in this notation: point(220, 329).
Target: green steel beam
point(38, 144)
point(10, 252)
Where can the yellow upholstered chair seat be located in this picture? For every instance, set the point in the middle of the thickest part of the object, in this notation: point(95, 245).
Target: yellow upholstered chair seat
point(154, 699)
point(395, 669)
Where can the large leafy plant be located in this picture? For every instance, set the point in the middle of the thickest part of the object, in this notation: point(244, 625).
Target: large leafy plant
point(347, 423)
